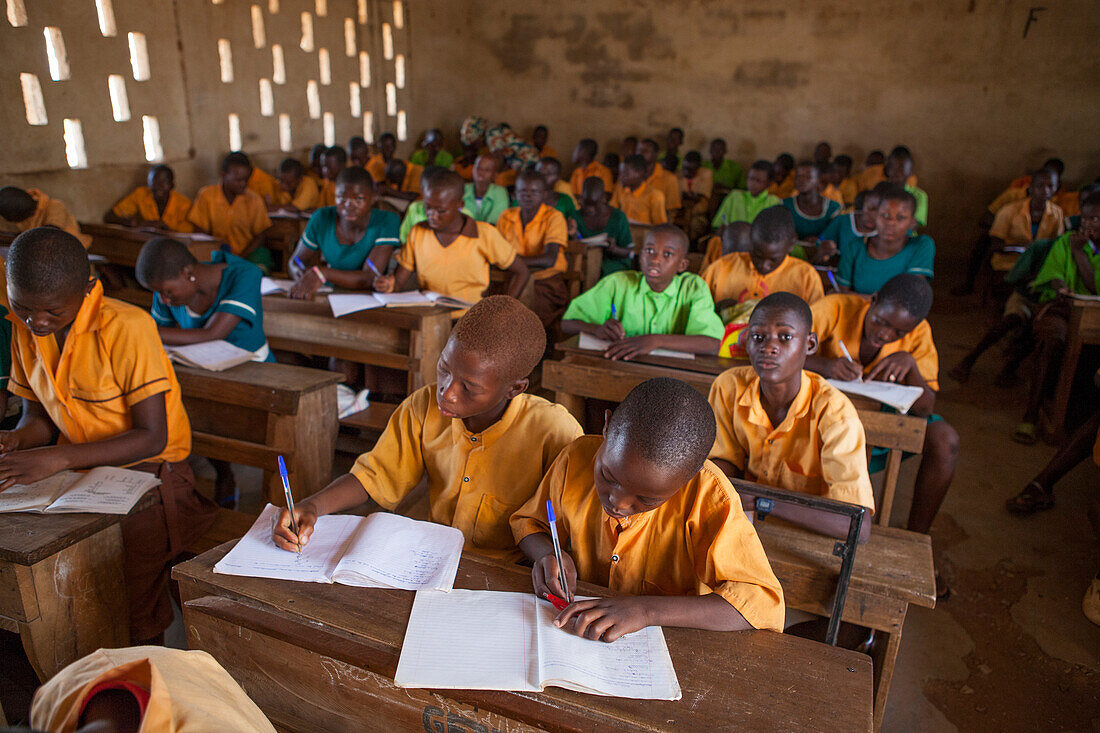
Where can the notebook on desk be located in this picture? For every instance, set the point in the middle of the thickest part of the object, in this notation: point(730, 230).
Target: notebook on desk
point(274, 285)
point(899, 396)
point(214, 356)
point(590, 342)
point(102, 490)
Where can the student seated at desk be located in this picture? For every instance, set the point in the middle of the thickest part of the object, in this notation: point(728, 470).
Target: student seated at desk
point(585, 166)
point(786, 427)
point(847, 184)
point(728, 174)
point(659, 178)
point(539, 136)
point(485, 200)
point(358, 152)
point(642, 203)
point(482, 442)
point(334, 160)
point(812, 212)
point(432, 152)
point(263, 184)
point(866, 264)
point(145, 688)
point(736, 237)
point(596, 217)
point(641, 510)
point(744, 205)
point(401, 181)
point(233, 214)
point(782, 176)
point(415, 213)
point(94, 377)
point(450, 252)
point(538, 233)
point(297, 191)
point(317, 164)
point(849, 230)
point(559, 195)
point(767, 268)
point(898, 169)
point(156, 204)
point(23, 210)
point(376, 165)
point(661, 307)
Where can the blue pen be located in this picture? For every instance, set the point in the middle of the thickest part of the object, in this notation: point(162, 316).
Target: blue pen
point(832, 280)
point(373, 268)
point(613, 313)
point(557, 550)
point(289, 501)
point(298, 261)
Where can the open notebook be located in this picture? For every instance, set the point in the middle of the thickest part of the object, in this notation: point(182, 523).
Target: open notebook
point(282, 286)
point(102, 490)
point(588, 341)
point(597, 240)
point(899, 396)
point(345, 303)
point(215, 356)
point(485, 640)
point(378, 551)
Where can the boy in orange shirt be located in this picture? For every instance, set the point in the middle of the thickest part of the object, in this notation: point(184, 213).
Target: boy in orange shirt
point(539, 234)
point(233, 214)
point(156, 204)
point(333, 161)
point(642, 511)
point(263, 184)
point(376, 165)
point(641, 203)
point(358, 152)
point(782, 177)
point(767, 268)
point(539, 136)
point(297, 191)
point(402, 180)
point(32, 208)
point(585, 166)
point(657, 177)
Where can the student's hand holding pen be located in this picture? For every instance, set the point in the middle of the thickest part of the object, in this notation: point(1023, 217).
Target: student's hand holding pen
point(284, 537)
point(843, 369)
point(610, 330)
point(544, 576)
point(384, 284)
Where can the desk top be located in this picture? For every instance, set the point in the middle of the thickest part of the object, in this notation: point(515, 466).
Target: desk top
point(272, 387)
point(407, 317)
point(702, 363)
point(772, 681)
point(143, 234)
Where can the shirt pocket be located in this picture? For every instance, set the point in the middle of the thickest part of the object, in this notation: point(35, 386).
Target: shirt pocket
point(491, 528)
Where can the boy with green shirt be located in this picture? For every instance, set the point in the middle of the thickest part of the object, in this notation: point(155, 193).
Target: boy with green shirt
point(663, 306)
point(745, 205)
point(727, 173)
point(484, 199)
point(897, 169)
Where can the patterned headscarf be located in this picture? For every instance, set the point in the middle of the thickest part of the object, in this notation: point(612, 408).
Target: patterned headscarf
point(473, 129)
point(517, 153)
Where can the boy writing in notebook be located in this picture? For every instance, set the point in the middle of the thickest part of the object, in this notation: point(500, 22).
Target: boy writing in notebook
point(661, 307)
point(642, 511)
point(596, 217)
point(642, 203)
point(98, 390)
point(745, 205)
point(767, 268)
point(482, 442)
point(23, 210)
point(156, 204)
point(233, 214)
point(783, 426)
point(297, 191)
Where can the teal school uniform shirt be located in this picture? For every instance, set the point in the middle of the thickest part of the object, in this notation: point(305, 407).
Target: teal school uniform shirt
point(864, 274)
point(415, 214)
point(685, 307)
point(742, 206)
point(806, 226)
point(729, 174)
point(320, 234)
point(842, 230)
point(921, 212)
point(489, 208)
point(618, 228)
point(238, 295)
point(1061, 265)
point(442, 158)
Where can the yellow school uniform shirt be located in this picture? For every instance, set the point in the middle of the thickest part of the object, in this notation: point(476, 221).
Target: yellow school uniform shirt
point(1013, 223)
point(785, 189)
point(1009, 195)
point(411, 182)
point(189, 692)
point(561, 186)
point(461, 269)
point(833, 193)
point(305, 196)
point(1068, 201)
point(819, 449)
point(702, 184)
point(667, 184)
point(327, 195)
point(839, 317)
point(733, 276)
point(643, 205)
point(140, 202)
point(264, 185)
point(599, 170)
point(237, 223)
point(49, 212)
point(697, 542)
point(376, 166)
point(113, 359)
point(849, 189)
point(873, 175)
point(548, 225)
point(475, 481)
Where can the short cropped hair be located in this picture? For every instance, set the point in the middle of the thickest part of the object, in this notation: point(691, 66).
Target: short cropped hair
point(444, 179)
point(909, 291)
point(774, 224)
point(317, 150)
point(354, 176)
point(861, 197)
point(896, 192)
point(236, 158)
point(591, 185)
point(530, 175)
point(386, 135)
point(635, 162)
point(395, 170)
point(356, 142)
point(650, 142)
point(670, 230)
point(1056, 164)
point(551, 161)
point(292, 165)
point(337, 152)
point(48, 260)
point(787, 303)
point(506, 333)
point(162, 168)
point(589, 145)
point(692, 156)
point(901, 153)
point(667, 423)
point(843, 159)
point(786, 159)
point(761, 165)
point(162, 259)
point(1091, 199)
point(15, 203)
point(677, 129)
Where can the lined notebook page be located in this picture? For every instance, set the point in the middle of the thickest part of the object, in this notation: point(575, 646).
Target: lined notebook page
point(588, 341)
point(105, 490)
point(345, 303)
point(397, 552)
point(213, 355)
point(37, 496)
point(899, 396)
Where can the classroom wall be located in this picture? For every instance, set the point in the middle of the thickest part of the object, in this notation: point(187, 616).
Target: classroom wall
point(955, 80)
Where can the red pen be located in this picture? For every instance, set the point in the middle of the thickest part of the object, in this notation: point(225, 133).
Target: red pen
point(557, 602)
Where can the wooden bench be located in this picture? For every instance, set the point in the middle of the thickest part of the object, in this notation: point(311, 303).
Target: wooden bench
point(335, 649)
point(121, 245)
point(254, 412)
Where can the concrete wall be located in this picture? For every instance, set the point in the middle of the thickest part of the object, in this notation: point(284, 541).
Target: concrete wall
point(956, 80)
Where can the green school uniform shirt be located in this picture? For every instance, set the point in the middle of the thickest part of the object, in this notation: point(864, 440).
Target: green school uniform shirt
point(683, 308)
point(864, 274)
point(320, 234)
point(491, 206)
point(1060, 265)
point(1027, 266)
point(618, 228)
point(921, 213)
point(806, 226)
point(742, 206)
point(442, 158)
point(415, 214)
point(564, 204)
point(730, 174)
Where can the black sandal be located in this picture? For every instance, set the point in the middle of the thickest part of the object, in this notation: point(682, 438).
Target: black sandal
point(1034, 498)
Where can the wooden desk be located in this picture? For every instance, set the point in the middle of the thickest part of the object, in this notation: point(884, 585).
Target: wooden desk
point(254, 412)
point(1084, 328)
point(891, 571)
point(121, 245)
point(323, 657)
point(282, 238)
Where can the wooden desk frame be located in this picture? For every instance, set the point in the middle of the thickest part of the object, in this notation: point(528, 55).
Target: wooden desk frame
point(1084, 328)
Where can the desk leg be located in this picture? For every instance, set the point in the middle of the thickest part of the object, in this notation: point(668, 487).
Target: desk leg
point(1065, 376)
point(309, 438)
point(82, 603)
point(883, 657)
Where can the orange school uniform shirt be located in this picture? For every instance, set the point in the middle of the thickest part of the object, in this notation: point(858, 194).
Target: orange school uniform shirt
point(306, 196)
point(599, 170)
point(1068, 201)
point(548, 152)
point(733, 276)
point(50, 212)
point(839, 318)
point(1010, 194)
point(643, 205)
point(140, 203)
point(785, 189)
point(873, 175)
point(411, 182)
point(667, 184)
point(561, 186)
point(547, 226)
point(697, 542)
point(475, 480)
point(376, 166)
point(1013, 223)
point(264, 185)
point(849, 189)
point(833, 193)
point(461, 269)
point(113, 359)
point(818, 449)
point(237, 223)
point(327, 194)
point(702, 184)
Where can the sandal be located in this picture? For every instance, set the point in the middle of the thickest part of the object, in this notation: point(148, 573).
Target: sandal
point(1034, 498)
point(1024, 433)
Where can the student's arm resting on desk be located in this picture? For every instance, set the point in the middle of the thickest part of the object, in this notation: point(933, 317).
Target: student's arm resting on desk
point(218, 327)
point(901, 368)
